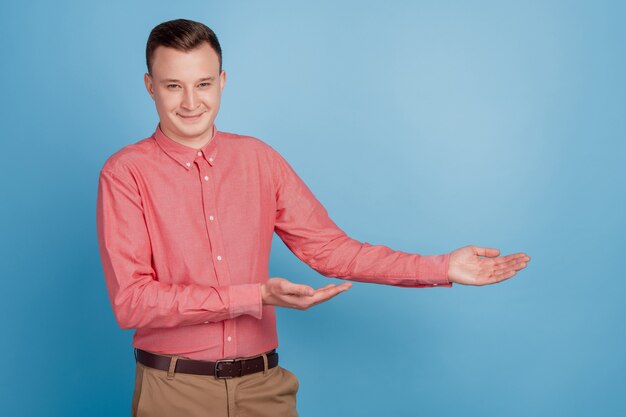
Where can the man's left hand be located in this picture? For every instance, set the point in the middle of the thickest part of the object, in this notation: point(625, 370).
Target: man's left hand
point(474, 265)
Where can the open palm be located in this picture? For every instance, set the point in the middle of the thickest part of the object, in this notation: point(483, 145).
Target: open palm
point(474, 265)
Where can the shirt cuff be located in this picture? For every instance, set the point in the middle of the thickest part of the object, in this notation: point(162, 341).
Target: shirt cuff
point(245, 299)
point(433, 270)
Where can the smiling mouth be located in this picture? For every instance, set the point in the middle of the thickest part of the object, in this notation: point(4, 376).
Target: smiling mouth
point(191, 117)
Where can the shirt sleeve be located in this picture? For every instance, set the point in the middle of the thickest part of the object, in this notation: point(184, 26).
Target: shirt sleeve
point(137, 297)
point(304, 226)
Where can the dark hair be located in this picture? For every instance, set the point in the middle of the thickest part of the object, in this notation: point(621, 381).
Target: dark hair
point(181, 34)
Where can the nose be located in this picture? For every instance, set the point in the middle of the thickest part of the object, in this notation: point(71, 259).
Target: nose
point(190, 101)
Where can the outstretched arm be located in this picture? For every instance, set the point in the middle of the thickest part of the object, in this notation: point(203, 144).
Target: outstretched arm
point(307, 230)
point(469, 265)
point(305, 227)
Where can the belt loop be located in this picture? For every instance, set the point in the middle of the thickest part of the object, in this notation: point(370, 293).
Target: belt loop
point(265, 365)
point(170, 373)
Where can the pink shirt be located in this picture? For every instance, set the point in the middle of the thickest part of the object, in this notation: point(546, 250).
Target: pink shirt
point(185, 236)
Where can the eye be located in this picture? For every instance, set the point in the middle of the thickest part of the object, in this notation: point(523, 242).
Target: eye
point(205, 84)
point(172, 85)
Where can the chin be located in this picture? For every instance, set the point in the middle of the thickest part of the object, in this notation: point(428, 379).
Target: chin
point(194, 130)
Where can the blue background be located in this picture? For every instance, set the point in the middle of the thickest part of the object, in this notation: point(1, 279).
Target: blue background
point(424, 125)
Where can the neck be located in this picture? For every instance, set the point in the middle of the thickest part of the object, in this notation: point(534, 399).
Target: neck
point(195, 143)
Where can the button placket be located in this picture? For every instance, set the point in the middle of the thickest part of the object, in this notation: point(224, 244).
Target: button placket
point(220, 265)
point(230, 345)
point(212, 228)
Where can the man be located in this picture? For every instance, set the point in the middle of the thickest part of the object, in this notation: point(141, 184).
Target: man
point(185, 221)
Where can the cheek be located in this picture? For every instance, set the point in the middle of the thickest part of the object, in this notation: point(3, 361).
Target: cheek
point(165, 102)
point(212, 99)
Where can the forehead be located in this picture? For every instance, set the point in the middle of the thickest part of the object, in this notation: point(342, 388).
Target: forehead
point(171, 63)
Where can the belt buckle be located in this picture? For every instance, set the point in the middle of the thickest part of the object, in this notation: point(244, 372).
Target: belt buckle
point(217, 368)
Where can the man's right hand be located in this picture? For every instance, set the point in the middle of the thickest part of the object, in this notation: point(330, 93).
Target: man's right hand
point(280, 292)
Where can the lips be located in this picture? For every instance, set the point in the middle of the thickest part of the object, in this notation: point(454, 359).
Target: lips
point(192, 117)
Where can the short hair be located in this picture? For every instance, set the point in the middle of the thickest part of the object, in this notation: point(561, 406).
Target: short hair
point(181, 34)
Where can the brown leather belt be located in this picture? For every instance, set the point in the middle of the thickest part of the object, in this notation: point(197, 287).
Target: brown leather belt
point(228, 368)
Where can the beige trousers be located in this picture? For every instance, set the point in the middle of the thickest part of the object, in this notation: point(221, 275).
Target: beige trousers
point(264, 394)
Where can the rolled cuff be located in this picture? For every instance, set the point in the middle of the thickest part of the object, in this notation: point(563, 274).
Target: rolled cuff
point(433, 270)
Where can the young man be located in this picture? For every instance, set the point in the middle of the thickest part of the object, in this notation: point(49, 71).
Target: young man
point(185, 221)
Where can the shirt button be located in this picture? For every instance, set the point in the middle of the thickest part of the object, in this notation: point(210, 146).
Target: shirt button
point(211, 218)
point(199, 153)
point(219, 258)
point(188, 164)
point(206, 322)
point(210, 159)
point(206, 177)
point(229, 338)
point(434, 285)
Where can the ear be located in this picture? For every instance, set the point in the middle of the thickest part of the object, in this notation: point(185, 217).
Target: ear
point(147, 79)
point(222, 81)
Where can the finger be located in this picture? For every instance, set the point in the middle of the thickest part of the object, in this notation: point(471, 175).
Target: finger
point(508, 264)
point(504, 262)
point(518, 256)
point(513, 257)
point(502, 276)
point(295, 301)
point(296, 289)
point(325, 287)
point(322, 298)
point(490, 252)
point(327, 294)
point(511, 266)
point(342, 287)
point(304, 302)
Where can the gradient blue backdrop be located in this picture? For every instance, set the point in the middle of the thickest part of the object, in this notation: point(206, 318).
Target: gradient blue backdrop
point(424, 125)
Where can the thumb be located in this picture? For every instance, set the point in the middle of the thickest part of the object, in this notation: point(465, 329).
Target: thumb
point(490, 252)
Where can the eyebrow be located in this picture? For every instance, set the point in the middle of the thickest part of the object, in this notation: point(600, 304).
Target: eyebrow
point(172, 80)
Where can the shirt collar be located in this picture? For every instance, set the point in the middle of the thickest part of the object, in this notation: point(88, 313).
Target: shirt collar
point(185, 155)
